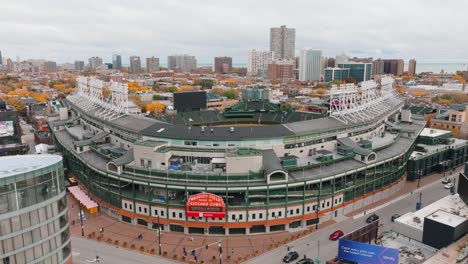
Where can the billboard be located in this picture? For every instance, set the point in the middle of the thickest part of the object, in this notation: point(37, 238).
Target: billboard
point(7, 128)
point(190, 101)
point(366, 253)
point(205, 205)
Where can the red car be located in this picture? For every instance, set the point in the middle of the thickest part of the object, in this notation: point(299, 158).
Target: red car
point(336, 235)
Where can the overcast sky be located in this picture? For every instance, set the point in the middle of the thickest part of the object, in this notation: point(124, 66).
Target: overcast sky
point(64, 31)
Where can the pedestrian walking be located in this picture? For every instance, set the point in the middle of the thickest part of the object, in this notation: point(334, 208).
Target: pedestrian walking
point(305, 256)
point(288, 248)
point(100, 230)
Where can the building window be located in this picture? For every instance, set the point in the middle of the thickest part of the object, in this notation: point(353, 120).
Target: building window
point(297, 211)
point(273, 214)
point(328, 203)
point(253, 216)
point(162, 213)
point(139, 208)
point(260, 215)
point(130, 206)
point(233, 217)
point(291, 212)
point(173, 214)
point(180, 215)
point(146, 210)
point(155, 212)
point(280, 213)
point(308, 208)
point(125, 205)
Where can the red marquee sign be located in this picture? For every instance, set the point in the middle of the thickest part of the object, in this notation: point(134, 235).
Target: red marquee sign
point(205, 205)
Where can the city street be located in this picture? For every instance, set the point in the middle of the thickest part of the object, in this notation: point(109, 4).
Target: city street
point(28, 136)
point(86, 250)
point(318, 243)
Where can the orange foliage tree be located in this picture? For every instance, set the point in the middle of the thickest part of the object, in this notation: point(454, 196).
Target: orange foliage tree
point(155, 107)
point(420, 94)
point(15, 102)
point(134, 87)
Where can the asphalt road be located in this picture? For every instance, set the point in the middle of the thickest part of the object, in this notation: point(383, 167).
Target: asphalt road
point(28, 136)
point(85, 251)
point(318, 243)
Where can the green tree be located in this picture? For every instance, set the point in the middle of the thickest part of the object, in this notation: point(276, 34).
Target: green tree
point(204, 83)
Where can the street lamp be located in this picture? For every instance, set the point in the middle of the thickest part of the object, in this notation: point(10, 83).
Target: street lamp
point(419, 176)
point(81, 218)
point(220, 250)
point(159, 235)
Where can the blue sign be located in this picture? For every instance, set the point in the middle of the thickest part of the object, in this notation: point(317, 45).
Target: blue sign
point(363, 253)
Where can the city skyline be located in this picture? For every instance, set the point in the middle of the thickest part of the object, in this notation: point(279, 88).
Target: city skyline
point(392, 33)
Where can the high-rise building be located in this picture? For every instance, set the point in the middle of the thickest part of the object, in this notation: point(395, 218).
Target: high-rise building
point(365, 60)
point(342, 58)
point(282, 42)
point(309, 65)
point(359, 71)
point(9, 65)
point(332, 74)
point(281, 70)
point(152, 64)
point(50, 66)
point(412, 67)
point(394, 67)
point(1, 60)
point(184, 62)
point(258, 61)
point(94, 62)
point(222, 64)
point(117, 61)
point(79, 66)
point(34, 210)
point(135, 64)
point(323, 65)
point(378, 67)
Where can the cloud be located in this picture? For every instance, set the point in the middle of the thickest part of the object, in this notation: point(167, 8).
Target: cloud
point(65, 31)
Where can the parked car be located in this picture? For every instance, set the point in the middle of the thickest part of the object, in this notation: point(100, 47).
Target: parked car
point(372, 218)
point(291, 256)
point(305, 261)
point(446, 180)
point(395, 216)
point(448, 185)
point(336, 235)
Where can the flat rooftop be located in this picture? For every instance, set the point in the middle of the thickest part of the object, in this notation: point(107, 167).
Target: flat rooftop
point(409, 249)
point(447, 218)
point(452, 205)
point(14, 165)
point(432, 132)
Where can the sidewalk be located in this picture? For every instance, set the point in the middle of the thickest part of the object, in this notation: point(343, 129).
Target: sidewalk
point(235, 248)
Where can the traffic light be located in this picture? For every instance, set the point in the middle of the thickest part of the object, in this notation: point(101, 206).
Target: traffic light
point(220, 250)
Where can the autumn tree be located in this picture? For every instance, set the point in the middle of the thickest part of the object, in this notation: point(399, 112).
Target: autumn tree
point(155, 107)
point(15, 103)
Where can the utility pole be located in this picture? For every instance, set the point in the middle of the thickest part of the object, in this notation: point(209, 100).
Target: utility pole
point(81, 219)
point(159, 235)
point(220, 250)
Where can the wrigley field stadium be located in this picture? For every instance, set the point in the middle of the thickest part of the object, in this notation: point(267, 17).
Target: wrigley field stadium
point(250, 169)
